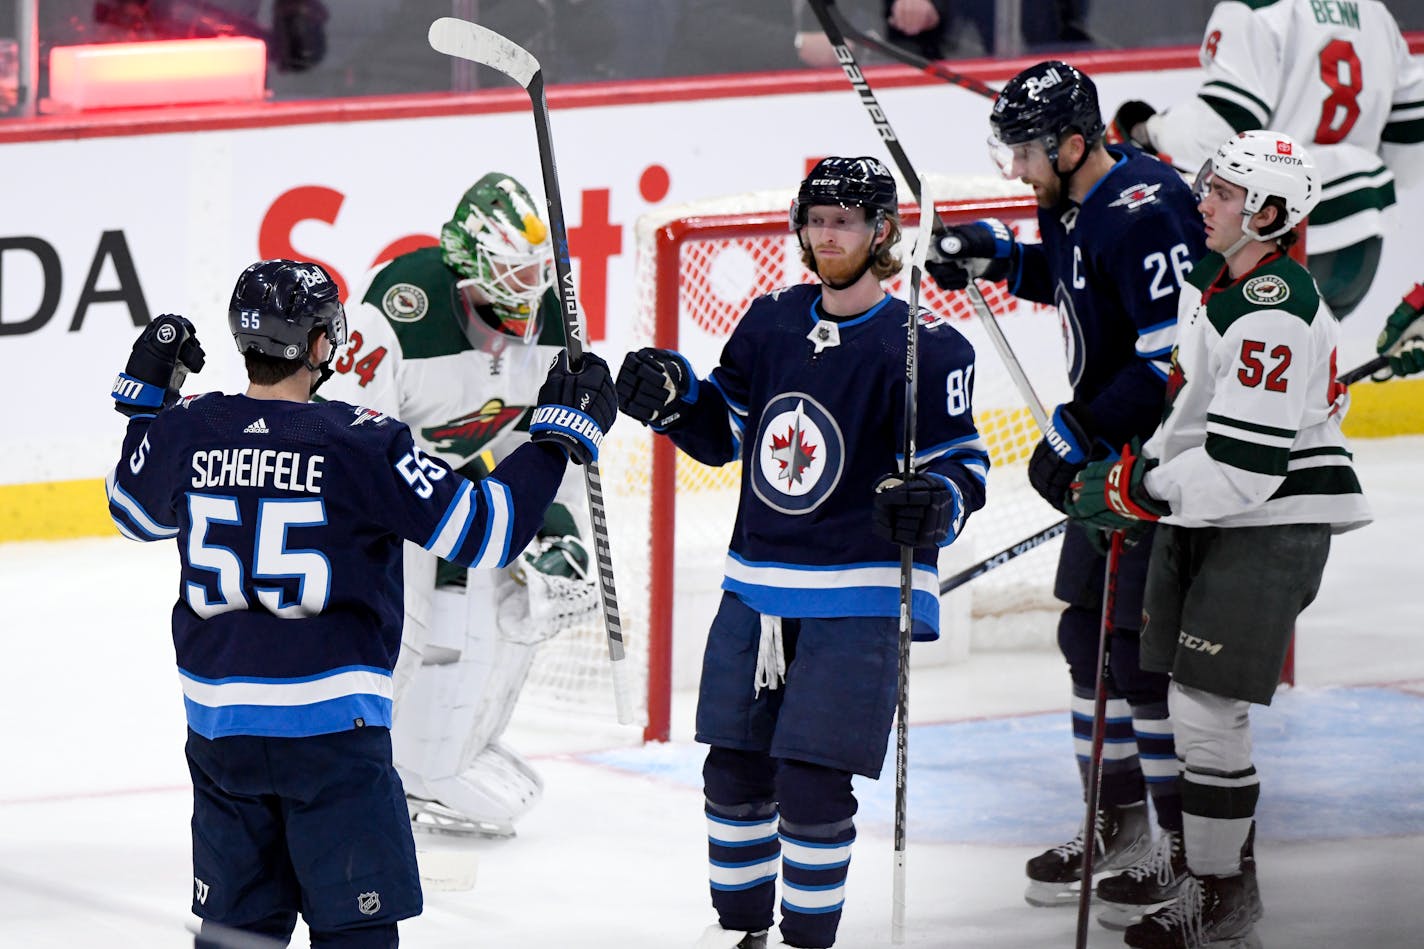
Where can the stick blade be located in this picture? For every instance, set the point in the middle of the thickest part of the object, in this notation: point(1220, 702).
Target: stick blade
point(465, 40)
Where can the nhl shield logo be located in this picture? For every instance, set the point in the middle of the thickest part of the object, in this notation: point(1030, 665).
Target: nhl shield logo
point(800, 454)
point(369, 903)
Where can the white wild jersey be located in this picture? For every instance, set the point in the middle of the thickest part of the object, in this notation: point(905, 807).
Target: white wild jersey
point(1252, 435)
point(1334, 74)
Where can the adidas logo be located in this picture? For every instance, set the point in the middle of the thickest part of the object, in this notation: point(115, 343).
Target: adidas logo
point(258, 427)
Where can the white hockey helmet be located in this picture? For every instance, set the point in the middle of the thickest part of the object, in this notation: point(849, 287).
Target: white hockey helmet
point(1268, 165)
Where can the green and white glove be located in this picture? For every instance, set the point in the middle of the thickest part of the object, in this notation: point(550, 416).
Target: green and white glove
point(1402, 339)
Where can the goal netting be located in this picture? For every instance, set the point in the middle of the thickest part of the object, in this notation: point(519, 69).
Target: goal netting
point(698, 267)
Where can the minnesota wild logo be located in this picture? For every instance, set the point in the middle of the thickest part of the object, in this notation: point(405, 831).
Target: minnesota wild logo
point(467, 435)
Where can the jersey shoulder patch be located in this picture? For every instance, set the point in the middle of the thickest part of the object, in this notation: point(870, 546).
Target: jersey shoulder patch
point(1282, 285)
point(416, 295)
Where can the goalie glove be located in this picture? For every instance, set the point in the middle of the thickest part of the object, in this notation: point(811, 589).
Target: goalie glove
point(925, 511)
point(1402, 339)
point(575, 409)
point(652, 383)
point(162, 356)
point(1110, 494)
point(983, 249)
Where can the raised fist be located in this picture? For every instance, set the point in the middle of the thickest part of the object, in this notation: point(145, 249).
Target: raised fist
point(983, 249)
point(162, 356)
point(652, 382)
point(576, 408)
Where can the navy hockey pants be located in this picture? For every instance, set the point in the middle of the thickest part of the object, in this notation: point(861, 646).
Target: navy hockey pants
point(314, 825)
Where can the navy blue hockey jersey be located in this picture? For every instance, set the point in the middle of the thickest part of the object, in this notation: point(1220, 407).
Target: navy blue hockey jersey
point(289, 519)
point(1113, 267)
point(815, 431)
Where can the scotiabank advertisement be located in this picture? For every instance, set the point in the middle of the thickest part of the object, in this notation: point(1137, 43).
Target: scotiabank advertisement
point(102, 232)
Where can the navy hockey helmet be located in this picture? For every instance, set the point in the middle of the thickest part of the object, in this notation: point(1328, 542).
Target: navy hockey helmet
point(1047, 102)
point(277, 303)
point(849, 183)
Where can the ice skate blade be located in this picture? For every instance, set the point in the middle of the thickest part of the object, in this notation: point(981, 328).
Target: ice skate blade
point(1119, 916)
point(1051, 895)
point(428, 817)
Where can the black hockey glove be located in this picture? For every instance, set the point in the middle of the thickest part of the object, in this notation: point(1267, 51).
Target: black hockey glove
point(1402, 338)
point(983, 249)
point(651, 383)
point(163, 355)
point(925, 511)
point(576, 409)
point(1061, 452)
point(1127, 125)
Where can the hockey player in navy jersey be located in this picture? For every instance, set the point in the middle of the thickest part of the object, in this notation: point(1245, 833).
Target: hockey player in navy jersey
point(1248, 477)
point(289, 518)
point(1119, 232)
point(799, 676)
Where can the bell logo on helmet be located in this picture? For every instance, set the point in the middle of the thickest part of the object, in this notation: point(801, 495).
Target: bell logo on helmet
point(1036, 84)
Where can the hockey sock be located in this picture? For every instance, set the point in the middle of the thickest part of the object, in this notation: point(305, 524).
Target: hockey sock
point(817, 830)
point(1121, 773)
point(1217, 811)
point(1157, 754)
point(742, 851)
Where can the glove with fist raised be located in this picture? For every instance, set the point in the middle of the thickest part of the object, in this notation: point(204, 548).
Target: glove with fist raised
point(653, 384)
point(983, 249)
point(163, 355)
point(576, 407)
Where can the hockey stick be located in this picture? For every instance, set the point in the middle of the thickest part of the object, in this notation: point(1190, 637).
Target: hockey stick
point(1030, 542)
point(475, 43)
point(907, 577)
point(1361, 371)
point(1095, 759)
point(902, 161)
point(885, 48)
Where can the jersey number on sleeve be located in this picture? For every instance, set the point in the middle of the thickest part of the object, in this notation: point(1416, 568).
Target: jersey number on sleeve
point(1253, 370)
point(957, 387)
point(272, 559)
point(365, 368)
point(419, 469)
point(1344, 92)
point(1157, 262)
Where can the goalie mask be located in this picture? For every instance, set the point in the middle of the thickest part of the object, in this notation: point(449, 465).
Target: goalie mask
point(1271, 167)
point(1045, 103)
point(848, 183)
point(499, 245)
point(276, 305)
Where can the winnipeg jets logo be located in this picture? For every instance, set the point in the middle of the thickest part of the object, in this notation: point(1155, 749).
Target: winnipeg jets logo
point(799, 454)
point(1136, 196)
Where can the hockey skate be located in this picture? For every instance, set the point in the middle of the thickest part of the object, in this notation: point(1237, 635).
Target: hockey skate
point(482, 801)
point(1146, 885)
point(715, 937)
point(1208, 913)
point(1122, 838)
point(432, 817)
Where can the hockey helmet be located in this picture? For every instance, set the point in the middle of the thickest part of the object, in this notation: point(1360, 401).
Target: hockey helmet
point(1268, 165)
point(849, 183)
point(277, 303)
point(498, 244)
point(1046, 102)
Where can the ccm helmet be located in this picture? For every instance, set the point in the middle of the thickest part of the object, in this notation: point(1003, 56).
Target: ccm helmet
point(1047, 102)
point(497, 242)
point(1268, 165)
point(848, 183)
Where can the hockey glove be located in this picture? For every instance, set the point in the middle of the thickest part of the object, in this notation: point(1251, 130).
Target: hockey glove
point(575, 409)
point(554, 557)
point(983, 249)
point(1060, 453)
point(925, 511)
point(652, 383)
point(163, 355)
point(1403, 337)
point(1110, 494)
point(1129, 125)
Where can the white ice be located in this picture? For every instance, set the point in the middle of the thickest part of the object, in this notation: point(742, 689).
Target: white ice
point(94, 800)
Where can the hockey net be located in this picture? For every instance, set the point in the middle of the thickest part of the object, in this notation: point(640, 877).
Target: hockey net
point(698, 267)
